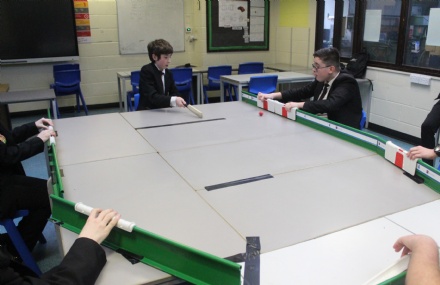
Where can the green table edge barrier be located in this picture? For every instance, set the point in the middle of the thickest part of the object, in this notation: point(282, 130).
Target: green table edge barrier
point(176, 259)
point(430, 175)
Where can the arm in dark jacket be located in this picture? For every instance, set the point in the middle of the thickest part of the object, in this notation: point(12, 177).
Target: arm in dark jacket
point(341, 92)
point(300, 94)
point(11, 152)
point(24, 132)
point(81, 266)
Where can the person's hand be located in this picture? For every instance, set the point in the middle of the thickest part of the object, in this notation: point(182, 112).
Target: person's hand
point(46, 134)
point(412, 243)
point(289, 106)
point(43, 123)
point(421, 152)
point(263, 96)
point(99, 224)
point(180, 102)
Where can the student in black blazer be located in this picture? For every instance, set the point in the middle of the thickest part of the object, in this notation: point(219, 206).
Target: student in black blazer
point(154, 92)
point(341, 100)
point(18, 191)
point(81, 265)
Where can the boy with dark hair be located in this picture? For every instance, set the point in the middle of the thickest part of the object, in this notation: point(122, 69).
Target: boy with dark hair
point(334, 91)
point(156, 85)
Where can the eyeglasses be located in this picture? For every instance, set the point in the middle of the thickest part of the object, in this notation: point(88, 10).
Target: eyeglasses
point(319, 67)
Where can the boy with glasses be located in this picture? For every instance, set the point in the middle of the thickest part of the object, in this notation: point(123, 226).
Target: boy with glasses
point(334, 91)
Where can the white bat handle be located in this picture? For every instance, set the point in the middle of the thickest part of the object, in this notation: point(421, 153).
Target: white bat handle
point(122, 224)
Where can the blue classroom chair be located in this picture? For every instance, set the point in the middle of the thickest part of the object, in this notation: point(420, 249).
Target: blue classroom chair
point(214, 73)
point(131, 95)
point(363, 119)
point(17, 241)
point(133, 101)
point(247, 68)
point(67, 82)
point(264, 83)
point(183, 80)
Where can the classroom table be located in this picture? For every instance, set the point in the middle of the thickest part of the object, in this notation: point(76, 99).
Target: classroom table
point(124, 76)
point(321, 213)
point(242, 80)
point(13, 97)
point(288, 67)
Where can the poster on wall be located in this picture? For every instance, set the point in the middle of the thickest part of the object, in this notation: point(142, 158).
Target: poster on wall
point(237, 25)
point(82, 21)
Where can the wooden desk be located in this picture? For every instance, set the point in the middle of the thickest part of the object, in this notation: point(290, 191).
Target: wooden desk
point(12, 97)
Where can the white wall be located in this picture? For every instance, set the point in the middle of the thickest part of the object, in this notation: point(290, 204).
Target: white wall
point(100, 60)
point(396, 103)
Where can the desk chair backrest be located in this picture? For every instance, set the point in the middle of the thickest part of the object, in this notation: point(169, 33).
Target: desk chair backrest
point(66, 66)
point(67, 78)
point(250, 67)
point(183, 80)
point(214, 73)
point(134, 78)
point(67, 82)
point(133, 94)
point(264, 84)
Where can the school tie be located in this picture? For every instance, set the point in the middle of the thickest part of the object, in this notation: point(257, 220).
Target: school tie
point(324, 92)
point(163, 81)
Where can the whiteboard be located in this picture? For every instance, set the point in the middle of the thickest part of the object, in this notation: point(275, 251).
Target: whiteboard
point(142, 21)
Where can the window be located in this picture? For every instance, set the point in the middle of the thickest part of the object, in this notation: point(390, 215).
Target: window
point(422, 49)
point(381, 29)
point(398, 34)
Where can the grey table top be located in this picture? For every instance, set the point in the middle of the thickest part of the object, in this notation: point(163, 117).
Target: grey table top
point(26, 96)
point(321, 185)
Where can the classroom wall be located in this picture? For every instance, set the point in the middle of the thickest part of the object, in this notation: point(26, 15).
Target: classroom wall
point(396, 103)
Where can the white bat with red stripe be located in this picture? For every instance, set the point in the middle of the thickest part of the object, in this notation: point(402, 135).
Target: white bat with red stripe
point(397, 155)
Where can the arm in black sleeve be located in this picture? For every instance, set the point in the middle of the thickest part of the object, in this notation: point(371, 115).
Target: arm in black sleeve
point(24, 132)
point(82, 264)
point(300, 94)
point(16, 146)
point(340, 93)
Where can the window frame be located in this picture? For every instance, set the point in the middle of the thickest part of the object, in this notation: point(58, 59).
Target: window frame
point(358, 29)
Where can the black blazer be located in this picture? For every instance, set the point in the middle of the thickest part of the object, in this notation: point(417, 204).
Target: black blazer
point(81, 266)
point(343, 103)
point(18, 148)
point(152, 95)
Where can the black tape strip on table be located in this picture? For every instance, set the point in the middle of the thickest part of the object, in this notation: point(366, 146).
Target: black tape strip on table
point(176, 124)
point(238, 182)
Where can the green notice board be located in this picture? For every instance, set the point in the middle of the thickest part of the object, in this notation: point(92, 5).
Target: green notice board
point(237, 25)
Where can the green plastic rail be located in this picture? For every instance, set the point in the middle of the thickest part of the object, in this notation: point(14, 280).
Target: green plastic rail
point(430, 175)
point(184, 262)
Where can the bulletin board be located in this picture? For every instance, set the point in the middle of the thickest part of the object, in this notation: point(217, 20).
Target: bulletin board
point(237, 25)
point(142, 21)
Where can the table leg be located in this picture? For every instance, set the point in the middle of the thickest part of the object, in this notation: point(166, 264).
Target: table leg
point(222, 90)
point(239, 88)
point(120, 94)
point(54, 109)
